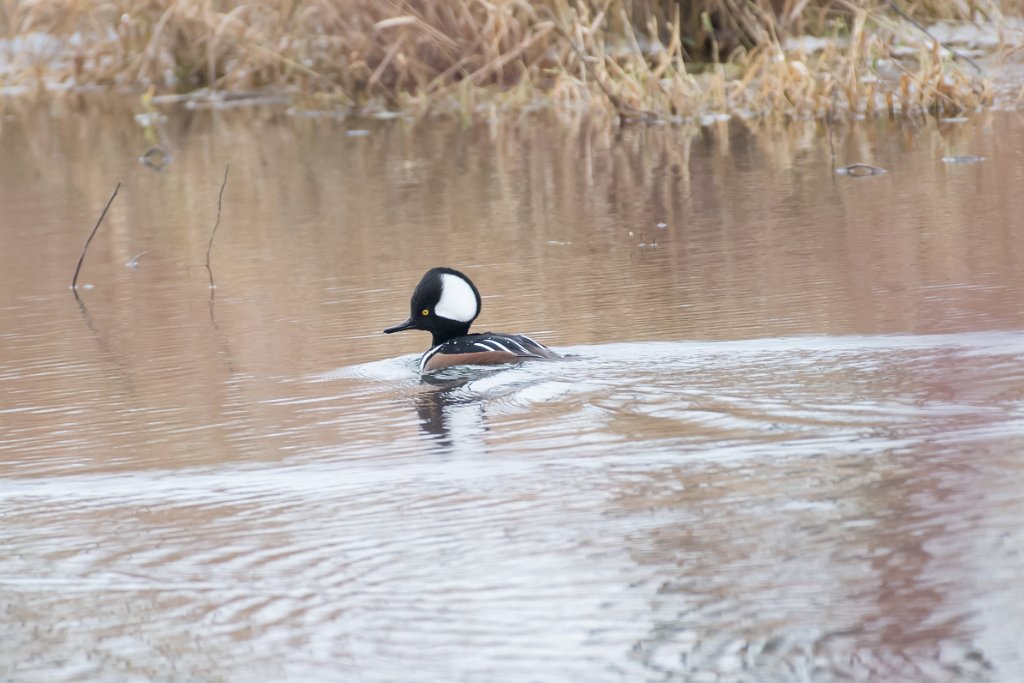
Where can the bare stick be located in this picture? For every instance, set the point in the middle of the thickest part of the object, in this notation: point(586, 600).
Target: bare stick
point(220, 199)
point(830, 122)
point(74, 280)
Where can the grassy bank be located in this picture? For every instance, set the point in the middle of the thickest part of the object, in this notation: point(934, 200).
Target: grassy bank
point(630, 61)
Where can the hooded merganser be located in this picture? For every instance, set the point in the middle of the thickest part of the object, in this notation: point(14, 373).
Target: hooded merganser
point(445, 303)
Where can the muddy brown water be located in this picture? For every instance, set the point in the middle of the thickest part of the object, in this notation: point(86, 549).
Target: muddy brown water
point(789, 446)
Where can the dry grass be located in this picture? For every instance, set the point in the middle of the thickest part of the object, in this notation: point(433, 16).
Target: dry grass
point(634, 61)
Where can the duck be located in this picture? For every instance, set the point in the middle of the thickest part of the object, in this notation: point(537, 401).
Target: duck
point(445, 303)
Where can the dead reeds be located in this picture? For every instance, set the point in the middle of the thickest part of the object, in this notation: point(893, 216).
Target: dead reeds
point(634, 61)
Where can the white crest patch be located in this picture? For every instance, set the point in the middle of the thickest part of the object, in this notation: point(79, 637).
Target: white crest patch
point(457, 299)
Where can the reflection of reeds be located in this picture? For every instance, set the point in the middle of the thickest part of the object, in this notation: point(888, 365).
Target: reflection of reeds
point(655, 60)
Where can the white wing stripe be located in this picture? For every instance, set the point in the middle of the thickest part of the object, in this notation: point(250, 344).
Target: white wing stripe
point(501, 346)
point(516, 343)
point(428, 355)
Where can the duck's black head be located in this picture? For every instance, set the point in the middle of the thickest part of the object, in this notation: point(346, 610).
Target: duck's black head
point(445, 303)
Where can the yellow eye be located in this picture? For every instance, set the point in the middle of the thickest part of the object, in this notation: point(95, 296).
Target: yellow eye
point(425, 311)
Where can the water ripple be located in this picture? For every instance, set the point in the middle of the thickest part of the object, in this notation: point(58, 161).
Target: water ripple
point(655, 511)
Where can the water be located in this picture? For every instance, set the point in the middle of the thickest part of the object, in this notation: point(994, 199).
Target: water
point(788, 446)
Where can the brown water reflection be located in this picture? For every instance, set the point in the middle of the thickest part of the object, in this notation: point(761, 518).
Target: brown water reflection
point(788, 448)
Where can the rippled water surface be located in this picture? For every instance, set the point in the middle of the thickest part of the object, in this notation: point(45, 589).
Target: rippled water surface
point(788, 444)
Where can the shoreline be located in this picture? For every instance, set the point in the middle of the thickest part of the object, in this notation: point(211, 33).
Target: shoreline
point(580, 64)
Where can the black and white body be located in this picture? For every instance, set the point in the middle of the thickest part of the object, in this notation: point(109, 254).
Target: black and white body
point(445, 303)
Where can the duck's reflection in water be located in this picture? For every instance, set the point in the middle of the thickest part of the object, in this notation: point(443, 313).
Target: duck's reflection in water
point(453, 416)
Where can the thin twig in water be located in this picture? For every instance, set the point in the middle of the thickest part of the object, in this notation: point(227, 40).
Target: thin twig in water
point(830, 122)
point(74, 280)
point(956, 55)
point(220, 199)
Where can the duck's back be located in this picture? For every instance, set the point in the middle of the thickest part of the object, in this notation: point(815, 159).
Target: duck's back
point(488, 348)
